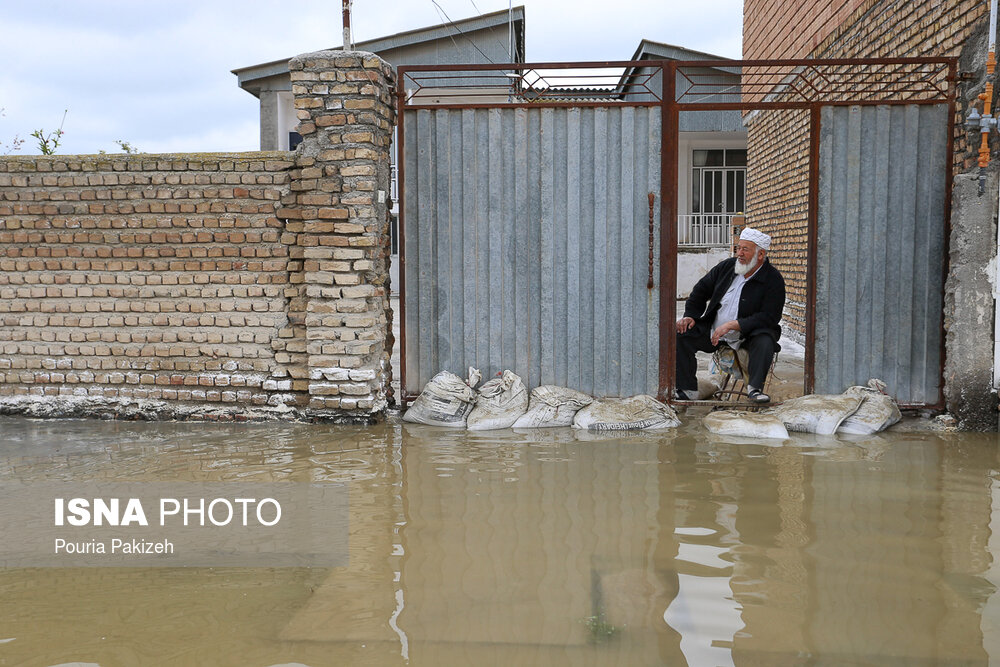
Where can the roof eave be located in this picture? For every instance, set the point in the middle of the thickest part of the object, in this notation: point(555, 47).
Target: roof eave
point(246, 75)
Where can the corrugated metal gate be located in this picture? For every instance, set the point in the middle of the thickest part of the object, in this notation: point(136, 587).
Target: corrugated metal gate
point(533, 224)
point(528, 238)
point(881, 233)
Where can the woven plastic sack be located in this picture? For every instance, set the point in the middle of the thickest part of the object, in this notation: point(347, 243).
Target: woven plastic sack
point(550, 405)
point(745, 424)
point(816, 413)
point(708, 384)
point(636, 413)
point(727, 361)
point(446, 400)
point(878, 411)
point(501, 401)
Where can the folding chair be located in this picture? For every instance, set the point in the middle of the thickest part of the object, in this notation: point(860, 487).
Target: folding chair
point(734, 367)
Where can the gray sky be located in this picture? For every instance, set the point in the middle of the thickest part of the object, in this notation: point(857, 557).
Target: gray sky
point(157, 73)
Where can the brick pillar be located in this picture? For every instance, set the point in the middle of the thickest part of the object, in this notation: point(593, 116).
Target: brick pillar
point(338, 204)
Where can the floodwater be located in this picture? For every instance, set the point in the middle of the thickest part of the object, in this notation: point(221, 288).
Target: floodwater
point(544, 547)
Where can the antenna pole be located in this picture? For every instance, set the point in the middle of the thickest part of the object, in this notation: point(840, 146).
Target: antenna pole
point(510, 27)
point(348, 44)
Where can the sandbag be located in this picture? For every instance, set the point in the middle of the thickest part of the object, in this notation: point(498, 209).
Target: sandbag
point(708, 384)
point(446, 400)
point(501, 401)
point(550, 405)
point(816, 413)
point(878, 411)
point(746, 424)
point(636, 413)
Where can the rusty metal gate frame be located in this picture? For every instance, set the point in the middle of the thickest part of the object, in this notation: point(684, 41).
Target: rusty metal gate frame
point(767, 85)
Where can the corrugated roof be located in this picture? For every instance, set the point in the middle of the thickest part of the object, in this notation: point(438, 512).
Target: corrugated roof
point(580, 93)
point(650, 50)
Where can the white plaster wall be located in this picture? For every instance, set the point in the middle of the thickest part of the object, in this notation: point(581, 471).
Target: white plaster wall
point(287, 120)
point(693, 264)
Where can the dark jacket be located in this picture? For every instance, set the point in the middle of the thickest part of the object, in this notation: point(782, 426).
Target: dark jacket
point(761, 301)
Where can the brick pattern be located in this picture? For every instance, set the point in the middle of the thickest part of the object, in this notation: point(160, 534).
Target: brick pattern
point(339, 201)
point(778, 199)
point(778, 142)
point(216, 285)
point(775, 29)
point(144, 277)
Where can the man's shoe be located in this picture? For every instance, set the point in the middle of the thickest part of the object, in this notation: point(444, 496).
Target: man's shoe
point(757, 396)
point(685, 394)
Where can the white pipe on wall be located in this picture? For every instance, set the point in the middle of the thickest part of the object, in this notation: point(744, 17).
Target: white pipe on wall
point(993, 25)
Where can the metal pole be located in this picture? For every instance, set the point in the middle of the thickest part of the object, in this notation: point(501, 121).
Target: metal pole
point(812, 245)
point(669, 123)
point(401, 226)
point(993, 27)
point(348, 45)
point(510, 28)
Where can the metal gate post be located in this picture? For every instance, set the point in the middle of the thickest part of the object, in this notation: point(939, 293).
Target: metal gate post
point(669, 127)
point(812, 220)
point(400, 236)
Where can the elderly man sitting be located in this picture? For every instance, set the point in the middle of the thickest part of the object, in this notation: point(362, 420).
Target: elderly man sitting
point(738, 302)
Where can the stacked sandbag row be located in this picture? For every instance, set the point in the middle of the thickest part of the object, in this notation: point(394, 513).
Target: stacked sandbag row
point(858, 411)
point(503, 402)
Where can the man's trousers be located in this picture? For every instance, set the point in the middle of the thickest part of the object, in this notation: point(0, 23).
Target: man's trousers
point(761, 348)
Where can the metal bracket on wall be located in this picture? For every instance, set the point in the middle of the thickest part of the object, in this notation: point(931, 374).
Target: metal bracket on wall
point(652, 202)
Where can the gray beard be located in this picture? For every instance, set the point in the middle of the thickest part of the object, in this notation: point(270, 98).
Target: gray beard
point(743, 269)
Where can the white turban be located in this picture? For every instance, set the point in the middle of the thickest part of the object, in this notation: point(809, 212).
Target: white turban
point(761, 239)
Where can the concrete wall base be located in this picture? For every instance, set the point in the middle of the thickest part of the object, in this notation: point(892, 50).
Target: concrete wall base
point(969, 305)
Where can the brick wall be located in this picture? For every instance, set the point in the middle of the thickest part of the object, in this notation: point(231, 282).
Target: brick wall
point(778, 142)
point(778, 200)
point(775, 29)
point(339, 204)
point(892, 28)
point(143, 277)
point(210, 285)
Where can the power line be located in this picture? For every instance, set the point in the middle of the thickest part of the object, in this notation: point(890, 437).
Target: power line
point(441, 16)
point(452, 23)
point(506, 47)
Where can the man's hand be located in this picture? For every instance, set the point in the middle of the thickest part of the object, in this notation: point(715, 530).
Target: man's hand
point(731, 325)
point(684, 324)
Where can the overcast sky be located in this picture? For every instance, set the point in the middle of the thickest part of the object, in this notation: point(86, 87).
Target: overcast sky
point(157, 73)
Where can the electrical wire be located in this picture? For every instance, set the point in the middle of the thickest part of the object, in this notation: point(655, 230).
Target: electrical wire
point(459, 30)
point(506, 47)
point(441, 16)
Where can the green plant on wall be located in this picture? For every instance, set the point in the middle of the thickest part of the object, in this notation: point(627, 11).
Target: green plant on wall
point(48, 142)
point(125, 146)
point(12, 145)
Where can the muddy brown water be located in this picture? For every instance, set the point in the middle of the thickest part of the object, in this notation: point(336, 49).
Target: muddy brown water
point(544, 547)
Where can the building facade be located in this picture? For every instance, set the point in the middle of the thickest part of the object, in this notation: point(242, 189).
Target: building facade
point(778, 186)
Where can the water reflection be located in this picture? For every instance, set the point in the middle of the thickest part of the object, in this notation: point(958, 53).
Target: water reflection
point(546, 546)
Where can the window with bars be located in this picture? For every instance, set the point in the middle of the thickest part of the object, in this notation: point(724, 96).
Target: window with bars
point(718, 180)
